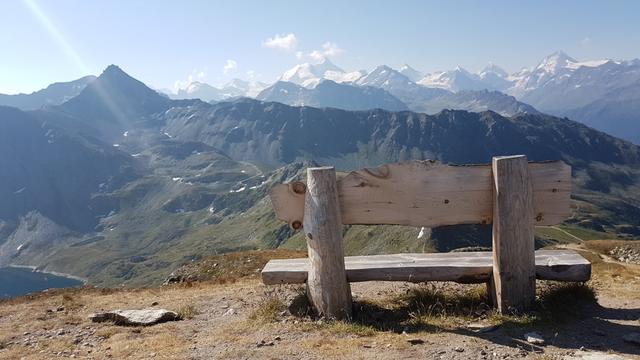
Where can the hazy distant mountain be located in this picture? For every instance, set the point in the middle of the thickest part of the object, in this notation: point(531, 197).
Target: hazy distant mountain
point(331, 94)
point(310, 75)
point(400, 86)
point(494, 77)
point(239, 87)
point(599, 93)
point(232, 89)
point(432, 100)
point(199, 90)
point(616, 113)
point(454, 80)
point(411, 73)
point(560, 83)
point(54, 94)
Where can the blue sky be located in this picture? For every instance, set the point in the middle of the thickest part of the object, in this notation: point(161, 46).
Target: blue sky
point(165, 42)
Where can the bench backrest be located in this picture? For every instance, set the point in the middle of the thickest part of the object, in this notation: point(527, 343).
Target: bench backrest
point(428, 193)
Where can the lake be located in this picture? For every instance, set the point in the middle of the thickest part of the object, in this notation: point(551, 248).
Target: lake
point(20, 281)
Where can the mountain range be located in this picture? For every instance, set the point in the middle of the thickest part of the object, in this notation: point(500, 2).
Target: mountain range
point(54, 94)
point(205, 92)
point(600, 93)
point(121, 184)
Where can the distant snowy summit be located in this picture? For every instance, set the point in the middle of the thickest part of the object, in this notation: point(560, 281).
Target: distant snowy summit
point(310, 75)
point(234, 88)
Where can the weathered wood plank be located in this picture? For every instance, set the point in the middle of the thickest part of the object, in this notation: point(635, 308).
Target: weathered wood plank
point(513, 284)
point(427, 193)
point(327, 286)
point(559, 265)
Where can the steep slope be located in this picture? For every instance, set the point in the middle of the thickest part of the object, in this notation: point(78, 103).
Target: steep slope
point(332, 94)
point(114, 103)
point(54, 94)
point(606, 170)
point(281, 134)
point(616, 113)
point(49, 178)
point(49, 171)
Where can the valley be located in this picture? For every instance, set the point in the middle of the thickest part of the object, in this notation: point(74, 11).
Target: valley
point(133, 184)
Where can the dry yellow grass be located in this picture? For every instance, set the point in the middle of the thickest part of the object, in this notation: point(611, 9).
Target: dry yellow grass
point(386, 316)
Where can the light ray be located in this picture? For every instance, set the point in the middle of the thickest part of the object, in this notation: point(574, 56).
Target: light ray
point(57, 36)
point(75, 58)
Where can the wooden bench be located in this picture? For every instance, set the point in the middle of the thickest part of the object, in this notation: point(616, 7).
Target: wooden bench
point(511, 193)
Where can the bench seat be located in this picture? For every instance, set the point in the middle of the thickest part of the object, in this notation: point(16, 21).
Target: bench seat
point(461, 267)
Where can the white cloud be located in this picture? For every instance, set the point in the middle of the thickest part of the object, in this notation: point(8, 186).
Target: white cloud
point(287, 42)
point(316, 55)
point(585, 42)
point(195, 75)
point(329, 50)
point(252, 75)
point(230, 66)
point(182, 84)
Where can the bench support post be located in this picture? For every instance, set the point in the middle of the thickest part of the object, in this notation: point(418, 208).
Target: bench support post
point(327, 286)
point(513, 284)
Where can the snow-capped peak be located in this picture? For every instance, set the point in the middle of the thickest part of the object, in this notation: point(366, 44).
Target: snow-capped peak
point(309, 75)
point(239, 87)
point(555, 62)
point(453, 80)
point(385, 77)
point(492, 68)
point(413, 74)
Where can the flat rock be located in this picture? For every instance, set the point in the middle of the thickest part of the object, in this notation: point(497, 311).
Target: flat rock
point(143, 317)
point(534, 338)
point(482, 327)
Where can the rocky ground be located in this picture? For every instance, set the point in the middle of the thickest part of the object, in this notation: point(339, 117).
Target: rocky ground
point(244, 319)
point(628, 254)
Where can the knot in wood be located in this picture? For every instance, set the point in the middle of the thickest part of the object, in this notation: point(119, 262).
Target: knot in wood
point(299, 187)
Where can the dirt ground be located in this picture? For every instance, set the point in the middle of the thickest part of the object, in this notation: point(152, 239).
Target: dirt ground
point(248, 320)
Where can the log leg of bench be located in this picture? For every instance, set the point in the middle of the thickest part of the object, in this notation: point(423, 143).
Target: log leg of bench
point(327, 286)
point(513, 284)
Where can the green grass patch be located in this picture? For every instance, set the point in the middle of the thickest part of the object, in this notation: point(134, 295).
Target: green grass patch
point(586, 234)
